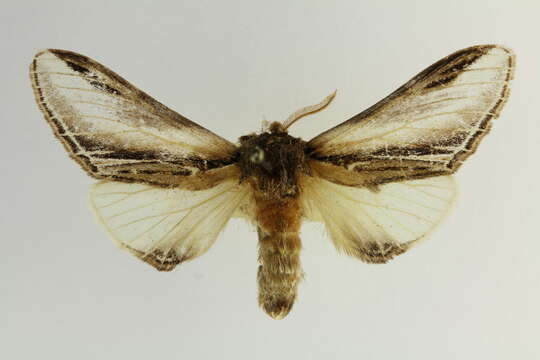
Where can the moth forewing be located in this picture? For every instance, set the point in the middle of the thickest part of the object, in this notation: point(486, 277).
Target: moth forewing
point(425, 128)
point(117, 132)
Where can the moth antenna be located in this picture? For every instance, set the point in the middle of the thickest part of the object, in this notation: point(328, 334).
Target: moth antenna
point(308, 110)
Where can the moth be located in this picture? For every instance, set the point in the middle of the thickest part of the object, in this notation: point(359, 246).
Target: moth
point(379, 182)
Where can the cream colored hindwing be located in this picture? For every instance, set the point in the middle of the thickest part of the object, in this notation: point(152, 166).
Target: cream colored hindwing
point(165, 227)
point(375, 226)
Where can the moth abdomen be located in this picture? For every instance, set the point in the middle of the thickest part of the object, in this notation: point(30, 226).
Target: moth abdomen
point(279, 273)
point(280, 270)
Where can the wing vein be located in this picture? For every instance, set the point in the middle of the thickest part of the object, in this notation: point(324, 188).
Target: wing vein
point(185, 145)
point(146, 231)
point(391, 208)
point(161, 214)
point(101, 92)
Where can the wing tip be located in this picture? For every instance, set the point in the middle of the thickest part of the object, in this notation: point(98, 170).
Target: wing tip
point(510, 54)
point(42, 52)
point(488, 47)
point(494, 113)
point(57, 52)
point(51, 52)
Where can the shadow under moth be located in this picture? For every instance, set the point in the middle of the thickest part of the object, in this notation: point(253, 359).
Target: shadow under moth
point(379, 182)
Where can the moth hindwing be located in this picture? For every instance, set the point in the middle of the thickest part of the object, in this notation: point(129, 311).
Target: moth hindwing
point(379, 181)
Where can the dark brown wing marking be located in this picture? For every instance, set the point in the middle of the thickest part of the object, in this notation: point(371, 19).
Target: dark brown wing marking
point(160, 260)
point(377, 253)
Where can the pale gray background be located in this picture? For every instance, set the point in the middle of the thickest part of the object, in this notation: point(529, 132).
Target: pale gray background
point(470, 292)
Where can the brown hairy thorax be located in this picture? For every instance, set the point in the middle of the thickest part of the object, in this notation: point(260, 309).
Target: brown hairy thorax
point(272, 162)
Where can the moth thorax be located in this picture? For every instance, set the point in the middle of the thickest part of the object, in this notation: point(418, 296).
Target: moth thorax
point(272, 162)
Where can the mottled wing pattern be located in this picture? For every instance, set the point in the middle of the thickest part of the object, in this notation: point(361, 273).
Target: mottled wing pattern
point(117, 132)
point(427, 127)
point(165, 227)
point(377, 226)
